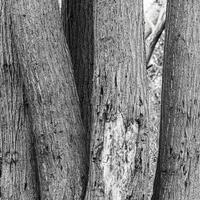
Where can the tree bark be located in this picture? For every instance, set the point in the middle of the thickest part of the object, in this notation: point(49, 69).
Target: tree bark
point(50, 89)
point(19, 178)
point(178, 169)
point(119, 140)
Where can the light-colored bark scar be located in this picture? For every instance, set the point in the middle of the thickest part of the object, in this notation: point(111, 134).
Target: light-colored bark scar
point(118, 157)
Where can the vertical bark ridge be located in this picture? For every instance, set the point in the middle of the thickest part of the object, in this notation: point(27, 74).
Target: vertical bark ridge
point(18, 178)
point(51, 93)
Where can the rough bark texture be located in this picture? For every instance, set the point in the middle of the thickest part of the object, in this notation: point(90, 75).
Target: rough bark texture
point(119, 140)
point(54, 108)
point(18, 167)
point(77, 17)
point(178, 170)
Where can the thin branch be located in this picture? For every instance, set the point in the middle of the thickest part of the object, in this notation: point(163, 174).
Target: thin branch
point(149, 26)
point(155, 35)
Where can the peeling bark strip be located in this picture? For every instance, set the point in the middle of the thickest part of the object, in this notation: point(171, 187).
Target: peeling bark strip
point(119, 144)
point(50, 89)
point(119, 149)
point(18, 177)
point(178, 170)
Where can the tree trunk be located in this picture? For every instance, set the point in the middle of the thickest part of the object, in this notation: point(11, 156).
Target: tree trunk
point(50, 89)
point(18, 168)
point(119, 141)
point(178, 169)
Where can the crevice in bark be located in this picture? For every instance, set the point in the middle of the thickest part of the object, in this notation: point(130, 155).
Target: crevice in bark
point(78, 24)
point(27, 112)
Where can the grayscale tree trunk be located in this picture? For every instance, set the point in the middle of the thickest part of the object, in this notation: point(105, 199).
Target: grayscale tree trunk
point(119, 138)
point(34, 55)
point(178, 168)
